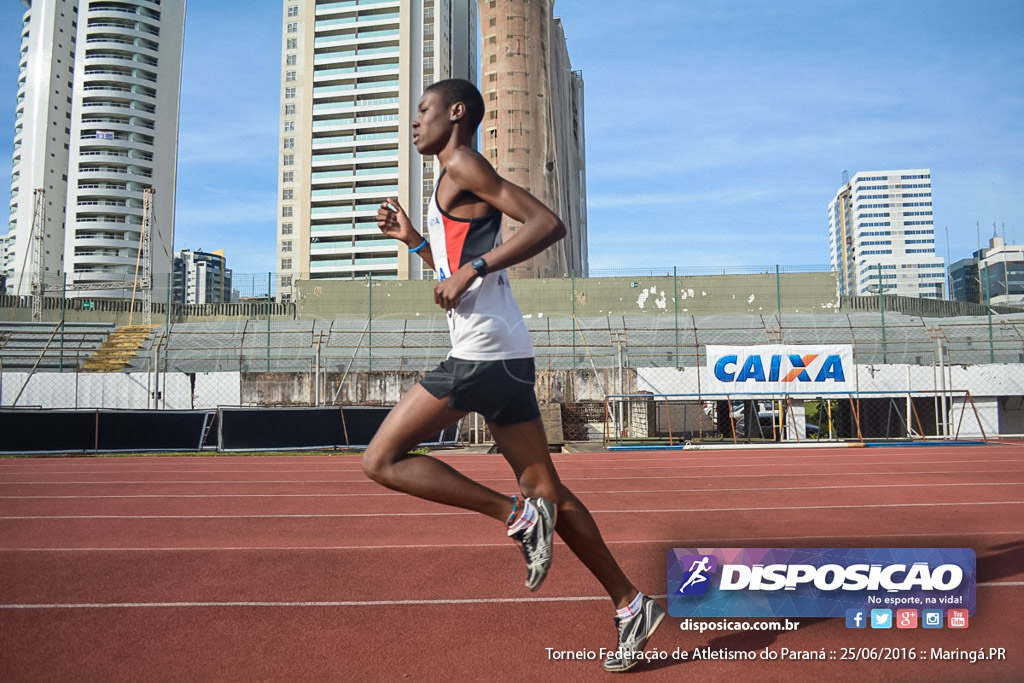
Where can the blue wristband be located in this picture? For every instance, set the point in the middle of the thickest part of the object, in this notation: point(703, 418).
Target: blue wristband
point(417, 249)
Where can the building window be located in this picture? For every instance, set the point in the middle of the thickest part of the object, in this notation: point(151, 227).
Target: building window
point(289, 93)
point(286, 245)
point(287, 194)
point(289, 126)
point(286, 264)
point(286, 212)
point(288, 160)
point(290, 60)
point(286, 228)
point(292, 44)
point(293, 11)
point(288, 176)
point(289, 110)
point(286, 281)
point(289, 143)
point(289, 76)
point(293, 27)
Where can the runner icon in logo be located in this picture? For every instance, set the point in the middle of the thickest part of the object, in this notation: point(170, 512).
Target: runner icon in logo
point(696, 581)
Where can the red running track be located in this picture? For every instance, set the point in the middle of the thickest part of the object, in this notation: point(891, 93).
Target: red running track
point(298, 568)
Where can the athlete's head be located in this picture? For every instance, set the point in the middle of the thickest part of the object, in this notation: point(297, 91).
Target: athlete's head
point(447, 108)
point(455, 90)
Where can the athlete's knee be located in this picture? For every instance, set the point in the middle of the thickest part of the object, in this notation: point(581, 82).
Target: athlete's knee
point(547, 488)
point(377, 464)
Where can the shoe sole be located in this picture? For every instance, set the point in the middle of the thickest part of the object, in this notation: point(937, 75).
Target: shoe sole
point(634, 662)
point(554, 521)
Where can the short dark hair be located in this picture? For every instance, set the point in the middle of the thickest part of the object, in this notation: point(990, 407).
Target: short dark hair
point(455, 90)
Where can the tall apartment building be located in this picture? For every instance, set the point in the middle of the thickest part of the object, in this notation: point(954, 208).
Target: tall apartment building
point(533, 130)
point(352, 73)
point(6, 260)
point(96, 125)
point(880, 223)
point(994, 275)
point(200, 277)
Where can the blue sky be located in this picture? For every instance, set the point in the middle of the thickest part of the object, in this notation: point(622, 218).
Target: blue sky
point(717, 132)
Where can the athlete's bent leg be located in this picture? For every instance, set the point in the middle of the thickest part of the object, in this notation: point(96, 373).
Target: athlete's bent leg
point(418, 416)
point(525, 447)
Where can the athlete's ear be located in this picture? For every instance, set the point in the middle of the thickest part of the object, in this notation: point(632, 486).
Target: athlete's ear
point(457, 112)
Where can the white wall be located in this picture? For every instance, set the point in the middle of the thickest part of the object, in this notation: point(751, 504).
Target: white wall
point(119, 390)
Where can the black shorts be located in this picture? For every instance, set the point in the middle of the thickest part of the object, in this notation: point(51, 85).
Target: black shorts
point(500, 390)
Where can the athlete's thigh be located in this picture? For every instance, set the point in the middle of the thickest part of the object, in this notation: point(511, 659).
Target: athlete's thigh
point(418, 416)
point(525, 448)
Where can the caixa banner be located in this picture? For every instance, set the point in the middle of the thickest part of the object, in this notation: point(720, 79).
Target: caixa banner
point(817, 582)
point(779, 369)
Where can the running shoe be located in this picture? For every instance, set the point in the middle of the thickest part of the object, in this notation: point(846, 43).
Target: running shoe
point(538, 541)
point(634, 632)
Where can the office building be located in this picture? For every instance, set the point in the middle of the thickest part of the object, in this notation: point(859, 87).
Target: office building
point(994, 275)
point(533, 131)
point(882, 235)
point(201, 278)
point(352, 74)
point(96, 125)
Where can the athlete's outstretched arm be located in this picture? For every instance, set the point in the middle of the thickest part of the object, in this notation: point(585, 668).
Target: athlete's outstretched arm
point(541, 227)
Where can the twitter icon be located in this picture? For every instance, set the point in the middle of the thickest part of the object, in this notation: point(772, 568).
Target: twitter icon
point(881, 618)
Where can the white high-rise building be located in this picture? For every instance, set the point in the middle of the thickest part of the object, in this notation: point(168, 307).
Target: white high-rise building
point(352, 73)
point(6, 260)
point(96, 125)
point(881, 223)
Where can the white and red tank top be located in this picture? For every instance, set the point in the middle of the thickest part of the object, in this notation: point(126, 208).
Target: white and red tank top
point(487, 323)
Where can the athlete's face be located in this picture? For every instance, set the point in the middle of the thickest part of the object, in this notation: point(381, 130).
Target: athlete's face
point(432, 128)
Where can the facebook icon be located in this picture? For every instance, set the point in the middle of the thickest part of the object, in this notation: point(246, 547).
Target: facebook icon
point(856, 618)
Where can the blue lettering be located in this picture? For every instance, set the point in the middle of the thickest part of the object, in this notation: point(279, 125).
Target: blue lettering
point(773, 373)
point(720, 372)
point(798, 362)
point(832, 369)
point(752, 369)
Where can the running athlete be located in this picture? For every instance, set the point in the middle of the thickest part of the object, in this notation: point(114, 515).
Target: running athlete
point(490, 369)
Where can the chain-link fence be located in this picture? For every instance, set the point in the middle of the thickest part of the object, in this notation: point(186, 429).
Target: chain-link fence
point(368, 341)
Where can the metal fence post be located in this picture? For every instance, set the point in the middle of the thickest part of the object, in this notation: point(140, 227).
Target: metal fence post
point(63, 307)
point(369, 317)
point(675, 301)
point(572, 294)
point(881, 298)
point(988, 305)
point(269, 276)
point(167, 317)
point(778, 291)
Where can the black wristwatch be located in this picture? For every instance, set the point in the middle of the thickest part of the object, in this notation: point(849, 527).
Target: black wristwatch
point(480, 266)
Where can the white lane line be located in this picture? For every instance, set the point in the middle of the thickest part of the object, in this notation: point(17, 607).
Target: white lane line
point(576, 491)
point(368, 482)
point(455, 514)
point(31, 468)
point(363, 603)
point(717, 542)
